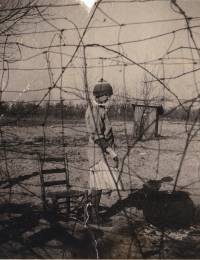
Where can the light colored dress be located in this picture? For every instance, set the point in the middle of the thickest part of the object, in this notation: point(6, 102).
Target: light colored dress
point(102, 174)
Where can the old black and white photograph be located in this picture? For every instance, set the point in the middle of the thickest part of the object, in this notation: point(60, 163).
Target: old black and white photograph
point(99, 129)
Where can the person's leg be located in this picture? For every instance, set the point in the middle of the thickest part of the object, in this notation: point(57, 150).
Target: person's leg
point(95, 201)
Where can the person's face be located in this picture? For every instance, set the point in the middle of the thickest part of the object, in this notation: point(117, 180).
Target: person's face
point(103, 99)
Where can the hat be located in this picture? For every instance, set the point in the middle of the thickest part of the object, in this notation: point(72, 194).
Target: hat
point(102, 88)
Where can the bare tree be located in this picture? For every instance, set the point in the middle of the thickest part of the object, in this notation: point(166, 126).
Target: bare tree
point(13, 13)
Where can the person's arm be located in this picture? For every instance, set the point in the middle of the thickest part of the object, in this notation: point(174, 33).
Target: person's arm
point(92, 119)
point(109, 137)
point(108, 131)
point(114, 156)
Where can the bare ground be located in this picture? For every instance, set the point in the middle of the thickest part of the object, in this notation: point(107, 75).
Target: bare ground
point(27, 233)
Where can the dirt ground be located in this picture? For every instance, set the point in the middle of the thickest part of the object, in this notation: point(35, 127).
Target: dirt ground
point(26, 233)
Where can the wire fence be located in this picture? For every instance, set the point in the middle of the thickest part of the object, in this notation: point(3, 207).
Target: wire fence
point(50, 60)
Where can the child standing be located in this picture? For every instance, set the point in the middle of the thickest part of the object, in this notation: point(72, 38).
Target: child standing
point(103, 175)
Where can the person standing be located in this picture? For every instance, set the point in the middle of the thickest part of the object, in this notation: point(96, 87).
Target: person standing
point(103, 175)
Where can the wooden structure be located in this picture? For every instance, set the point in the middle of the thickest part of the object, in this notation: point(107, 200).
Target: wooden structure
point(145, 119)
point(56, 192)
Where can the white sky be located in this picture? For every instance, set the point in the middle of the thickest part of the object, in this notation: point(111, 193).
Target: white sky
point(140, 20)
point(88, 3)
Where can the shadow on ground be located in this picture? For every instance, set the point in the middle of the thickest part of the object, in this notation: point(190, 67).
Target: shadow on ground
point(26, 231)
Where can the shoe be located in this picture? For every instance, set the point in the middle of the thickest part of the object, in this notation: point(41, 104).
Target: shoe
point(100, 221)
point(105, 221)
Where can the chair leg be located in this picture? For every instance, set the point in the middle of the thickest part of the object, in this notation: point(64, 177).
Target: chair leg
point(68, 206)
point(55, 205)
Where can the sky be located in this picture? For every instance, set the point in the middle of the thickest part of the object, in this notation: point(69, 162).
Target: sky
point(151, 46)
point(88, 3)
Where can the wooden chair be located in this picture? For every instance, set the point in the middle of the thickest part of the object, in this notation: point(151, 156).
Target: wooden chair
point(56, 192)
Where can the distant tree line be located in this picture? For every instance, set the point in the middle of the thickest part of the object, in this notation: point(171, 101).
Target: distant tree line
point(70, 111)
point(32, 110)
point(183, 114)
